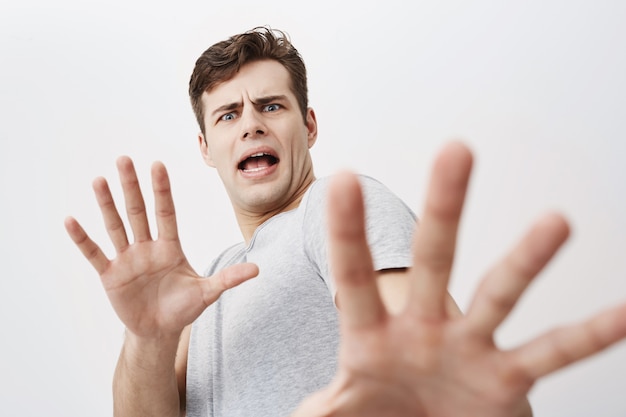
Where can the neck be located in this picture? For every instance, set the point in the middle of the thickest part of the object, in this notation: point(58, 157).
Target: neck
point(249, 221)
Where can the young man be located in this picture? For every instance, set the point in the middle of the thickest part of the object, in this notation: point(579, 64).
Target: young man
point(265, 345)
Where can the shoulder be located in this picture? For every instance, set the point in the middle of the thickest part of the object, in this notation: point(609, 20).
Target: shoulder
point(375, 194)
point(319, 189)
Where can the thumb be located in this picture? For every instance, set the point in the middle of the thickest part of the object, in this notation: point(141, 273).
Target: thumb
point(227, 278)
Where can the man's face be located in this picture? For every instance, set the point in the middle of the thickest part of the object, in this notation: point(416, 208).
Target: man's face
point(257, 140)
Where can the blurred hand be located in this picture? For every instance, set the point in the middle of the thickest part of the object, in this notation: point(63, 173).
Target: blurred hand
point(424, 361)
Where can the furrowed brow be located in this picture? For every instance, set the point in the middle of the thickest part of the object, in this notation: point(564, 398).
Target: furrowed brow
point(269, 99)
point(226, 107)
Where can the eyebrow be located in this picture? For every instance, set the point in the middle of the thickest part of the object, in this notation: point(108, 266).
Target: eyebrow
point(269, 99)
point(258, 101)
point(226, 107)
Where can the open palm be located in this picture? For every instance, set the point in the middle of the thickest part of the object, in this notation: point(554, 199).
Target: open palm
point(150, 283)
point(425, 361)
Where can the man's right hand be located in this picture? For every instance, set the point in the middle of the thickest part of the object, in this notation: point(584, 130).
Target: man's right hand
point(152, 287)
point(154, 291)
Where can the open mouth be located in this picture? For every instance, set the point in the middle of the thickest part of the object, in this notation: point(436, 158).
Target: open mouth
point(257, 162)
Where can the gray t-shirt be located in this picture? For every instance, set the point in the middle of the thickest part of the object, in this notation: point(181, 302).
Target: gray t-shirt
point(271, 341)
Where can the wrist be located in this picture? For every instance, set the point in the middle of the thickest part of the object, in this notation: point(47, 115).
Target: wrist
point(150, 352)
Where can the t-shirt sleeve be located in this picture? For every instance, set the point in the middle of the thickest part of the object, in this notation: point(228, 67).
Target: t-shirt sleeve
point(389, 223)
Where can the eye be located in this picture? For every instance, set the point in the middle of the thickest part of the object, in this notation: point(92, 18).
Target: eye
point(228, 116)
point(271, 108)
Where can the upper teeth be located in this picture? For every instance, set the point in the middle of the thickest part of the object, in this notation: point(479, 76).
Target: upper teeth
point(257, 154)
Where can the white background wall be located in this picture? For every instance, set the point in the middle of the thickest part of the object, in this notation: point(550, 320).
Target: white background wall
point(537, 88)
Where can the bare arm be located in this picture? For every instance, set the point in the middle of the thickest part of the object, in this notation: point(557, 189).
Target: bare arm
point(394, 285)
point(145, 371)
point(145, 381)
point(153, 290)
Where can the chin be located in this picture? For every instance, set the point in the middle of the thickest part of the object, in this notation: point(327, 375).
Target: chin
point(264, 198)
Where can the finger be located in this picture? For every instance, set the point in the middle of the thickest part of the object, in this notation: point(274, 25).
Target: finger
point(567, 345)
point(89, 249)
point(350, 259)
point(435, 239)
point(112, 220)
point(135, 206)
point(225, 279)
point(164, 204)
point(499, 291)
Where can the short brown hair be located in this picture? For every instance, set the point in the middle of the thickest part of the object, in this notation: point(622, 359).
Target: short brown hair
point(222, 61)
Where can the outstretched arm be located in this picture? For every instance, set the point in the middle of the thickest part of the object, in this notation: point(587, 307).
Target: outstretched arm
point(153, 290)
point(425, 361)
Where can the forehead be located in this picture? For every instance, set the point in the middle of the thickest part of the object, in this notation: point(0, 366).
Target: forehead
point(255, 79)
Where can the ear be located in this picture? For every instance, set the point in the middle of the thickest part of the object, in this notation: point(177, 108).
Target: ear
point(311, 126)
point(204, 150)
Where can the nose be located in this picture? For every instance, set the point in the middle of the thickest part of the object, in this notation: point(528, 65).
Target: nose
point(252, 125)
